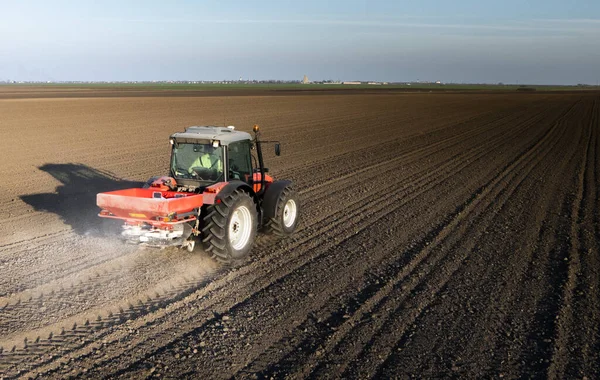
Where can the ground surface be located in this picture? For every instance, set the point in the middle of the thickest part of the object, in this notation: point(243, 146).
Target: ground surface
point(442, 235)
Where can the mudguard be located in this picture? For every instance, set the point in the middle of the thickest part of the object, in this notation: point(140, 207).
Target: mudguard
point(231, 187)
point(271, 198)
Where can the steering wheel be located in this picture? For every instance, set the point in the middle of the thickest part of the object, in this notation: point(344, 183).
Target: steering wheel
point(202, 173)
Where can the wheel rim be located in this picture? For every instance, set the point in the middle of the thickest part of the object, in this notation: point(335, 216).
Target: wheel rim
point(240, 227)
point(290, 210)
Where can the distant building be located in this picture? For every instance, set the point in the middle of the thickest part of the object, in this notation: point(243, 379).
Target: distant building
point(305, 80)
point(351, 83)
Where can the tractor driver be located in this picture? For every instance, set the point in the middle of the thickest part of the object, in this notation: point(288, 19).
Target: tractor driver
point(207, 158)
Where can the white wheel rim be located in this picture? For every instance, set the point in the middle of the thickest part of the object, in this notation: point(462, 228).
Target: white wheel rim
point(290, 210)
point(240, 226)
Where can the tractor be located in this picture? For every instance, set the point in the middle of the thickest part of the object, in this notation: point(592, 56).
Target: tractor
point(217, 192)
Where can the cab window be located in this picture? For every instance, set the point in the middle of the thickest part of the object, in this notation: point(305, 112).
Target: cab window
point(240, 166)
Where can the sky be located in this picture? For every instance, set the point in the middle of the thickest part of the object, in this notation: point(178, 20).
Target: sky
point(509, 41)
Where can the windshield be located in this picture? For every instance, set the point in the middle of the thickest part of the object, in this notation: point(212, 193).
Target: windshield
point(197, 161)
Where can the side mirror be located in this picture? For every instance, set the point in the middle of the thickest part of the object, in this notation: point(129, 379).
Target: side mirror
point(277, 149)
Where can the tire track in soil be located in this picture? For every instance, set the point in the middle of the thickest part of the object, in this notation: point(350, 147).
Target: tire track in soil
point(586, 293)
point(594, 261)
point(46, 344)
point(494, 314)
point(278, 280)
point(390, 149)
point(492, 190)
point(452, 139)
point(320, 231)
point(400, 154)
point(117, 273)
point(566, 344)
point(92, 288)
point(74, 269)
point(61, 239)
point(22, 278)
point(459, 158)
point(506, 312)
point(279, 347)
point(554, 144)
point(304, 191)
point(316, 251)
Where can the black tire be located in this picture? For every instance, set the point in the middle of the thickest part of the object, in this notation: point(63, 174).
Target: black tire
point(283, 223)
point(219, 227)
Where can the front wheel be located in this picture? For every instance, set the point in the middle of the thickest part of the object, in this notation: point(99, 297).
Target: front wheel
point(287, 213)
point(230, 227)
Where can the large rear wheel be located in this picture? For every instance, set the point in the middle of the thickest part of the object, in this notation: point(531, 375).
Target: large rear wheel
point(230, 227)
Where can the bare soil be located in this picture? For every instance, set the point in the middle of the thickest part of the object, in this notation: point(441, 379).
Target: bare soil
point(442, 235)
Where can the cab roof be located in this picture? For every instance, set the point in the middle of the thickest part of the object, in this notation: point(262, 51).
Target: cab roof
point(225, 135)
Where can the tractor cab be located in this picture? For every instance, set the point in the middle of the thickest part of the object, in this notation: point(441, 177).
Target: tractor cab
point(202, 156)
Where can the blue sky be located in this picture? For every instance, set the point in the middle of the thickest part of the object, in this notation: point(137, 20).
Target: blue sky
point(545, 42)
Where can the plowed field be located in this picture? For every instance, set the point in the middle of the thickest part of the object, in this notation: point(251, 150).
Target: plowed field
point(442, 235)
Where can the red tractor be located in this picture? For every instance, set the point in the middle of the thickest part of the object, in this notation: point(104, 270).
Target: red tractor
point(218, 191)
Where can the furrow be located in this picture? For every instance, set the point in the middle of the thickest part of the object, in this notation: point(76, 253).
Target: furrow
point(561, 357)
point(116, 274)
point(367, 205)
point(472, 159)
point(257, 352)
point(507, 286)
point(490, 190)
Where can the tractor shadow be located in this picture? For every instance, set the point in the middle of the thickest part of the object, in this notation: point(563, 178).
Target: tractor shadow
point(75, 199)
